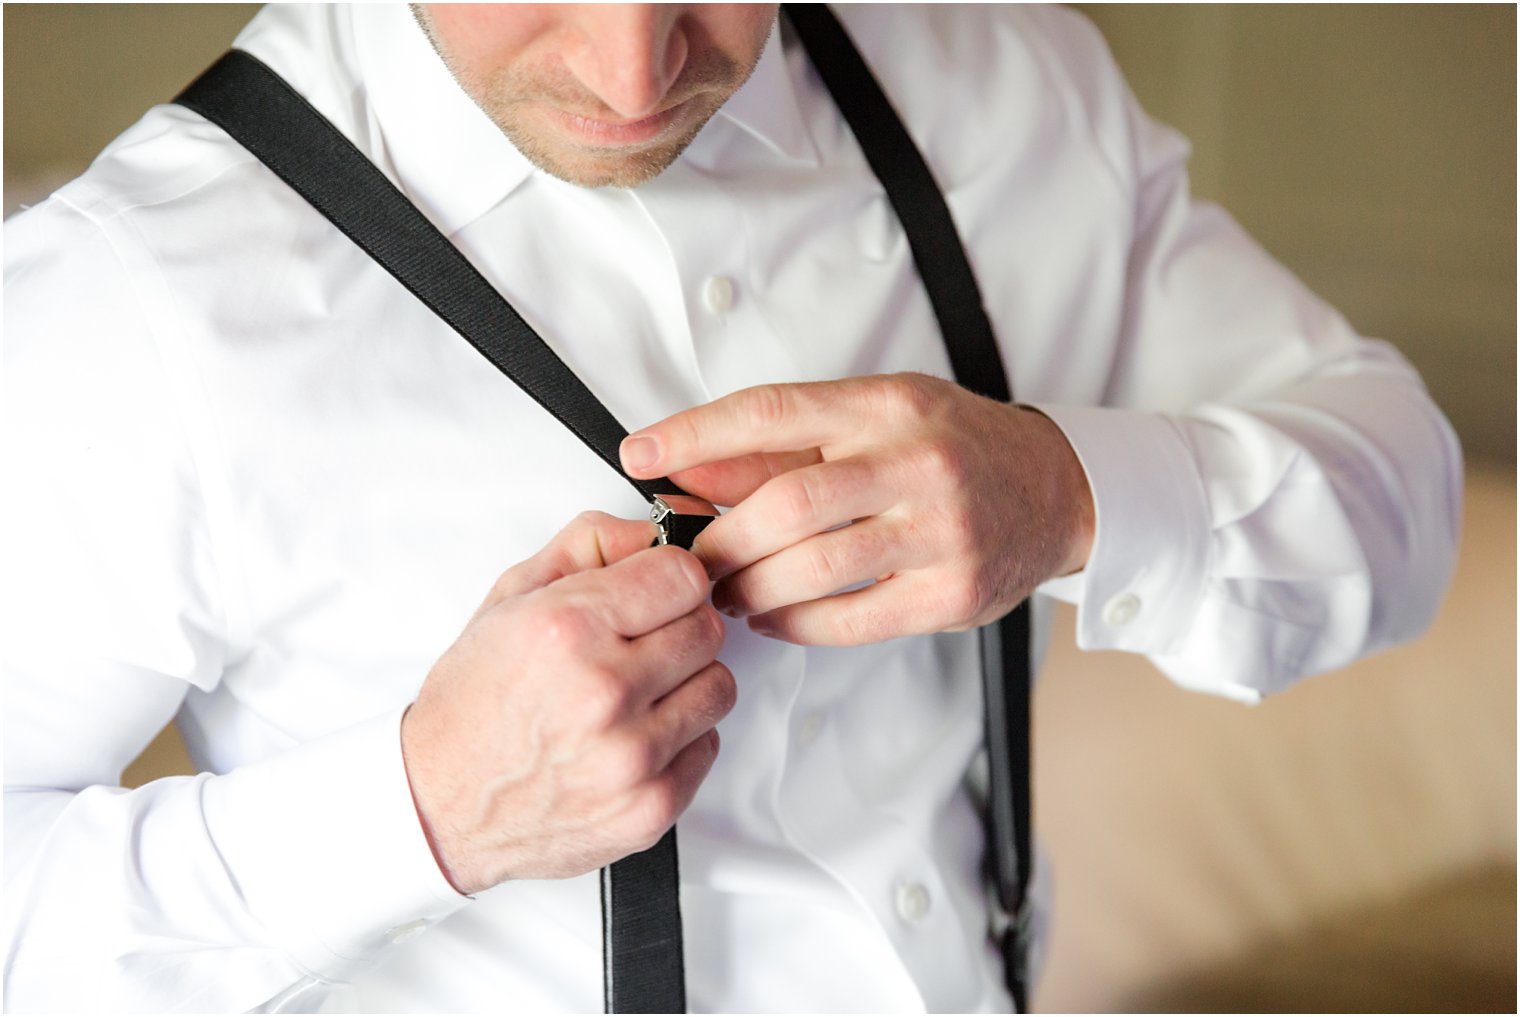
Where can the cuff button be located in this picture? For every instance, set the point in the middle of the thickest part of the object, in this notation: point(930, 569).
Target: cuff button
point(1121, 610)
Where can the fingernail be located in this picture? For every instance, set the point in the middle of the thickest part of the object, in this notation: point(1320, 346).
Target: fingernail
point(722, 601)
point(760, 627)
point(640, 453)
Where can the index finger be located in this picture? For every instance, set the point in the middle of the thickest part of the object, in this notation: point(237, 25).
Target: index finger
point(766, 418)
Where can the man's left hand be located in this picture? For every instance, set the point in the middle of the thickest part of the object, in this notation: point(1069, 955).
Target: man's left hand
point(957, 506)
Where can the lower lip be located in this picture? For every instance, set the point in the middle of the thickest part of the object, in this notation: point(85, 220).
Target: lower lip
point(606, 135)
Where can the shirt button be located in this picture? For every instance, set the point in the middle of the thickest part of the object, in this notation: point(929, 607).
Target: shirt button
point(1121, 610)
point(808, 730)
point(405, 931)
point(912, 902)
point(718, 294)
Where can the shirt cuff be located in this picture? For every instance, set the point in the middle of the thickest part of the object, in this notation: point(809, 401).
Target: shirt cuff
point(326, 846)
point(1144, 581)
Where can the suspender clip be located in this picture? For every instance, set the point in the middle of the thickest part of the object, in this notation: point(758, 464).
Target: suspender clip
point(1014, 935)
point(680, 518)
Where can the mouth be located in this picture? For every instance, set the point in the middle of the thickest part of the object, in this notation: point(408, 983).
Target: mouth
point(620, 133)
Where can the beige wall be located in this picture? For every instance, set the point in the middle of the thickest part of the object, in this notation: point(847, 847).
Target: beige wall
point(1371, 149)
point(76, 75)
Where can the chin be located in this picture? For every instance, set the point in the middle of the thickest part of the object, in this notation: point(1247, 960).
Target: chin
point(622, 171)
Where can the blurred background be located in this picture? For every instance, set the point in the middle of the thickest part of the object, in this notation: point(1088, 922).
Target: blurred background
point(1349, 846)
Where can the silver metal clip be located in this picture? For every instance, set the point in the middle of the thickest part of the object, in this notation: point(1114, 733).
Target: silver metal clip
point(666, 505)
point(1014, 932)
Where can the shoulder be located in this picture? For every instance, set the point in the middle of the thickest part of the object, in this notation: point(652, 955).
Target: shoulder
point(1048, 48)
point(172, 215)
point(172, 167)
point(169, 155)
point(175, 226)
point(171, 191)
point(958, 33)
point(995, 71)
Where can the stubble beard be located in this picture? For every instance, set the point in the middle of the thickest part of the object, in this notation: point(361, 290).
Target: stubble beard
point(512, 108)
point(512, 98)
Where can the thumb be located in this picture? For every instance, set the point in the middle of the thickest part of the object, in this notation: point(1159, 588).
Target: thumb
point(590, 541)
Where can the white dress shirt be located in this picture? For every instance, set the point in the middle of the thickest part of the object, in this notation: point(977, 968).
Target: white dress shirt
point(253, 486)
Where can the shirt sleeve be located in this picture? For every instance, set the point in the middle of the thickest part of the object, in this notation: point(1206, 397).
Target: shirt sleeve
point(256, 888)
point(1276, 495)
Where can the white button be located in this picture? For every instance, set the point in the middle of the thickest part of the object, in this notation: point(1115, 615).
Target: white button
point(405, 931)
point(1121, 610)
point(912, 902)
point(718, 294)
point(807, 731)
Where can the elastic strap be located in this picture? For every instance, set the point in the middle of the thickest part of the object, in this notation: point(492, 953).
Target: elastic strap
point(967, 331)
point(641, 915)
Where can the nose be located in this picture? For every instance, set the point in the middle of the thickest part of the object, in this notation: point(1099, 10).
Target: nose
point(628, 55)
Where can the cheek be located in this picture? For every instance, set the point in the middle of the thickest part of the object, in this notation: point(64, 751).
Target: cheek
point(739, 30)
point(483, 39)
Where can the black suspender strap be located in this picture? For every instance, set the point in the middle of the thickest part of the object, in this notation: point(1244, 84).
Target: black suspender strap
point(914, 196)
point(642, 955)
point(643, 964)
point(957, 301)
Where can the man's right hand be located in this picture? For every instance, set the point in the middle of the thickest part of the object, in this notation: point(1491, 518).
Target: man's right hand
point(573, 719)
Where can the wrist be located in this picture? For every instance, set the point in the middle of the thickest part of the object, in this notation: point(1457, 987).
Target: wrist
point(1071, 497)
point(429, 829)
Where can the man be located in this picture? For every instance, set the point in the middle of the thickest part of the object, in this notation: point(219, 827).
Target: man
point(260, 489)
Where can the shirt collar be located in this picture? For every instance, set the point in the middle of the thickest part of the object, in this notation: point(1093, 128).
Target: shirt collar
point(449, 157)
point(456, 164)
point(766, 106)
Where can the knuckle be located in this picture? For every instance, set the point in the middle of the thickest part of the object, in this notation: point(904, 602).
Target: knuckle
point(882, 617)
point(827, 565)
point(964, 598)
point(576, 531)
point(604, 696)
point(854, 628)
point(561, 629)
point(630, 761)
point(769, 407)
point(653, 810)
point(506, 582)
point(909, 396)
point(589, 519)
point(943, 460)
point(555, 560)
point(802, 496)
